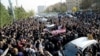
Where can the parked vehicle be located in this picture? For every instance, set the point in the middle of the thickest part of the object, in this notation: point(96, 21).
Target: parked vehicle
point(77, 46)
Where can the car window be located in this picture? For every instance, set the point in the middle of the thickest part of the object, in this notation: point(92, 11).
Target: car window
point(70, 50)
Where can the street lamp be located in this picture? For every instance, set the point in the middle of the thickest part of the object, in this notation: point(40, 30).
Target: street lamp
point(16, 3)
point(12, 10)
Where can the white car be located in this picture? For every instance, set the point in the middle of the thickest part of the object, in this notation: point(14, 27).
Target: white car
point(49, 25)
point(69, 15)
point(42, 19)
point(79, 44)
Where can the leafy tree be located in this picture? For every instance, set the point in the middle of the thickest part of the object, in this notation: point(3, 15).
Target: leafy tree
point(58, 7)
point(63, 8)
point(20, 13)
point(94, 4)
point(30, 13)
point(4, 16)
point(86, 4)
point(9, 11)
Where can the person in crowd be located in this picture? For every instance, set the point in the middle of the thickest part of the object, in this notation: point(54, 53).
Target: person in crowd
point(27, 37)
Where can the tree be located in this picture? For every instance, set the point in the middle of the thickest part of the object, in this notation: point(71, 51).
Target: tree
point(9, 11)
point(63, 8)
point(30, 13)
point(58, 7)
point(20, 13)
point(96, 5)
point(4, 16)
point(93, 4)
point(86, 4)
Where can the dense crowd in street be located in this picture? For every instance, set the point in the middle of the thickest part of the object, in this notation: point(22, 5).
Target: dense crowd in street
point(27, 38)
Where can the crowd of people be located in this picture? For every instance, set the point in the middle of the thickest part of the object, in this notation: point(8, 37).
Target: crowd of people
point(27, 38)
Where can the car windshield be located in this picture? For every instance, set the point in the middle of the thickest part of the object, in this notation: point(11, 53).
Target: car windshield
point(70, 50)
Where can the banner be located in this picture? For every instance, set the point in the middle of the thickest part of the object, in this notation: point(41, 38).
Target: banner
point(55, 32)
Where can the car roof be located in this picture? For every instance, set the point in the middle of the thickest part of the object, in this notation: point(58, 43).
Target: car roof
point(50, 25)
point(83, 42)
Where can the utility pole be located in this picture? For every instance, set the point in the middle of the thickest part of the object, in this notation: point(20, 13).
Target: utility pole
point(16, 3)
point(0, 15)
point(12, 10)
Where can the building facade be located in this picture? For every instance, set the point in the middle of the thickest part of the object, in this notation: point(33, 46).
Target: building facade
point(41, 9)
